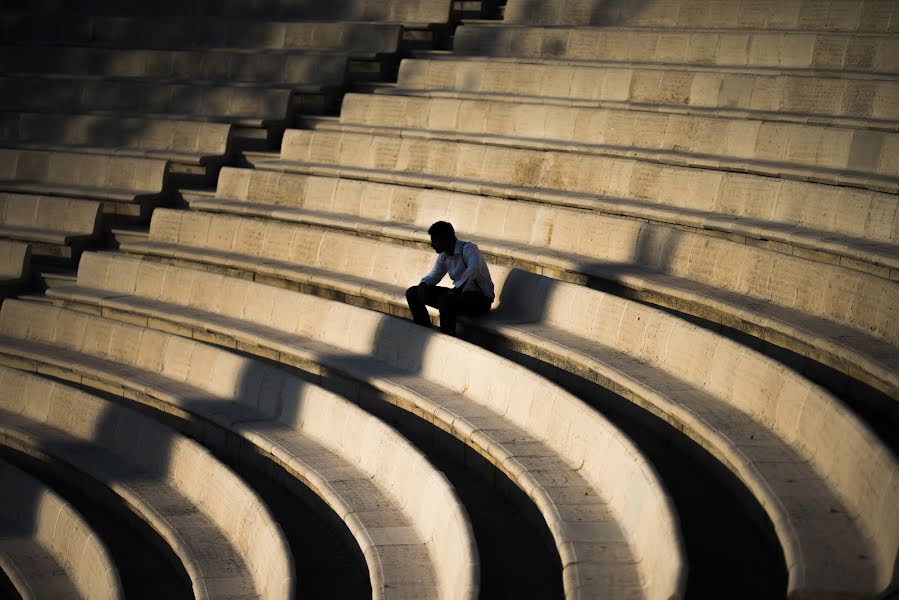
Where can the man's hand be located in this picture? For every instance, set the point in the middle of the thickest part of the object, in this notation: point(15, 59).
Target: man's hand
point(422, 290)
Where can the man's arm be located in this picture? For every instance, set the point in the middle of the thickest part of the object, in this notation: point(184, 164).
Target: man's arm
point(473, 261)
point(437, 273)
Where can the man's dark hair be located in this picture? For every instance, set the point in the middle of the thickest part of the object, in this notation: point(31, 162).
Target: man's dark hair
point(442, 229)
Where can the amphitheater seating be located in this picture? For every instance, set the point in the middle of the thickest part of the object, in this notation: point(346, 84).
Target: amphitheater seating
point(858, 157)
point(758, 207)
point(817, 50)
point(814, 15)
point(778, 97)
point(661, 363)
point(359, 39)
point(301, 71)
point(250, 106)
point(55, 227)
point(15, 266)
point(757, 49)
point(769, 294)
point(403, 514)
point(180, 142)
point(409, 13)
point(664, 189)
point(224, 536)
point(610, 519)
point(47, 550)
point(127, 187)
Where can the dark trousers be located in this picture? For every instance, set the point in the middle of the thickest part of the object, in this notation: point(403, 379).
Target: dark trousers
point(448, 301)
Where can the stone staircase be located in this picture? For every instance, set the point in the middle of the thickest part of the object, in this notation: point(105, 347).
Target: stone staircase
point(686, 387)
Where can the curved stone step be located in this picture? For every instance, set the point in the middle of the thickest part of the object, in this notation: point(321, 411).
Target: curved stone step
point(406, 519)
point(56, 227)
point(248, 105)
point(825, 15)
point(198, 32)
point(184, 142)
point(856, 157)
point(712, 91)
point(195, 66)
point(213, 522)
point(47, 549)
point(126, 186)
point(776, 297)
point(15, 265)
point(410, 14)
point(334, 201)
point(772, 428)
point(744, 48)
point(614, 519)
point(828, 484)
point(763, 208)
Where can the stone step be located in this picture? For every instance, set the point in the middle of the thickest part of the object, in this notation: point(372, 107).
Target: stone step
point(712, 91)
point(501, 425)
point(856, 157)
point(841, 54)
point(142, 32)
point(163, 477)
point(709, 201)
point(247, 105)
point(296, 69)
point(47, 548)
point(680, 278)
point(147, 569)
point(319, 121)
point(814, 15)
point(414, 14)
point(48, 278)
point(659, 362)
point(127, 235)
point(382, 489)
point(194, 143)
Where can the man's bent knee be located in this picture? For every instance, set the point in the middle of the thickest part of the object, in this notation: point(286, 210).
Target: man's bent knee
point(447, 302)
point(415, 294)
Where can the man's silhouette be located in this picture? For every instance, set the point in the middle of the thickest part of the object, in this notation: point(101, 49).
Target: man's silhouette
point(472, 291)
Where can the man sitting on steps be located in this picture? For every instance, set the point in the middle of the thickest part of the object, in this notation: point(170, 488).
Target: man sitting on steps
point(472, 291)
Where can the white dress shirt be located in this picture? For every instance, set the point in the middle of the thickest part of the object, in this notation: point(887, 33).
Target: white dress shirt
point(466, 267)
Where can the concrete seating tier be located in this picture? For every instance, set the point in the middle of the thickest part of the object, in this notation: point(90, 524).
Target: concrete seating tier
point(837, 317)
point(127, 187)
point(359, 39)
point(748, 208)
point(824, 15)
point(782, 50)
point(612, 522)
point(405, 516)
point(47, 549)
point(844, 156)
point(407, 12)
point(297, 70)
point(868, 103)
point(239, 104)
point(766, 423)
point(763, 421)
point(54, 226)
point(184, 142)
point(15, 266)
point(220, 530)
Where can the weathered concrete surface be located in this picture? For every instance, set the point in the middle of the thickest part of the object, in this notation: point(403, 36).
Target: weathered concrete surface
point(47, 549)
point(531, 429)
point(409, 525)
point(218, 527)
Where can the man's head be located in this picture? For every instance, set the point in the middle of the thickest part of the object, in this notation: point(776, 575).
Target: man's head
point(443, 237)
